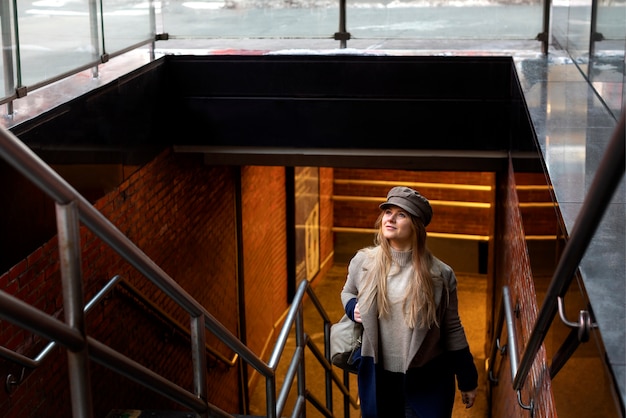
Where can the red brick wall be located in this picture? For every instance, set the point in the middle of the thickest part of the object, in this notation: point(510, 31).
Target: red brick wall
point(446, 219)
point(170, 208)
point(513, 270)
point(535, 197)
point(182, 214)
point(264, 251)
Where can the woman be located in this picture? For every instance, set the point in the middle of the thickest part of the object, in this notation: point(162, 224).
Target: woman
point(413, 342)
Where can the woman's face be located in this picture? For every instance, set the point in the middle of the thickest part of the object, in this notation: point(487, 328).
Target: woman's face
point(397, 228)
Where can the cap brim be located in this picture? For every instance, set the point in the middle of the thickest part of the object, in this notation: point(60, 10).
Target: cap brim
point(399, 205)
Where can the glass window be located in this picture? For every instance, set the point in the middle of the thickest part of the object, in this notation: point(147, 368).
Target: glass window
point(444, 20)
point(55, 37)
point(249, 19)
point(126, 23)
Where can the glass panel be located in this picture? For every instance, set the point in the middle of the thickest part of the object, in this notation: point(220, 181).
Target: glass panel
point(7, 57)
point(447, 20)
point(307, 218)
point(596, 47)
point(365, 18)
point(584, 386)
point(578, 31)
point(606, 70)
point(55, 37)
point(228, 19)
point(3, 88)
point(126, 23)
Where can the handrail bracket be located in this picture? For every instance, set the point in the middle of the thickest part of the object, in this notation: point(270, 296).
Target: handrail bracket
point(530, 407)
point(584, 324)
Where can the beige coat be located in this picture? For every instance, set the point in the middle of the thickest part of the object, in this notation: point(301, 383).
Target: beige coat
point(426, 344)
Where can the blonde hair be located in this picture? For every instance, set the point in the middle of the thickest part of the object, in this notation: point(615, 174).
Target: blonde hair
point(420, 306)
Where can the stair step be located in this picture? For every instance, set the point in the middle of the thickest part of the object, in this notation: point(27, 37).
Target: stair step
point(138, 413)
point(146, 413)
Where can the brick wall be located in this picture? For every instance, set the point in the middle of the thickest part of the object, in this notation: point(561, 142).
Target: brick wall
point(182, 214)
point(513, 270)
point(373, 185)
point(264, 251)
point(170, 208)
point(537, 210)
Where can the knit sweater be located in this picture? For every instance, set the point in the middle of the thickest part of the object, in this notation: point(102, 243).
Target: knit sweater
point(395, 335)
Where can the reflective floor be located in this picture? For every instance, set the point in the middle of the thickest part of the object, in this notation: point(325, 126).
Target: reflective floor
point(573, 127)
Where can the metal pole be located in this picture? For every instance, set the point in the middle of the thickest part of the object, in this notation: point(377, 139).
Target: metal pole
point(495, 342)
point(7, 52)
point(545, 35)
point(270, 396)
point(301, 344)
point(510, 328)
point(73, 305)
point(198, 356)
point(152, 28)
point(342, 35)
point(93, 26)
point(342, 22)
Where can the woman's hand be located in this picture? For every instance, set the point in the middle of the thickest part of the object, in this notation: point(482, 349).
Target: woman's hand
point(357, 313)
point(469, 398)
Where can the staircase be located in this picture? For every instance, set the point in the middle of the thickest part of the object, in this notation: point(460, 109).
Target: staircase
point(147, 413)
point(72, 211)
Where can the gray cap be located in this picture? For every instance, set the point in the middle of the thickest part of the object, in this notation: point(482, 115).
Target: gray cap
point(411, 201)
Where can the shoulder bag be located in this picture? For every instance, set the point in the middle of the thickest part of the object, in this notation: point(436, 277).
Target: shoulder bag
point(345, 344)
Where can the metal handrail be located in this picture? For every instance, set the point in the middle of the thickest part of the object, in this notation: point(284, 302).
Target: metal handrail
point(28, 362)
point(605, 182)
point(72, 207)
point(65, 335)
point(33, 363)
point(610, 172)
point(230, 362)
point(36, 170)
point(294, 316)
point(324, 359)
point(505, 312)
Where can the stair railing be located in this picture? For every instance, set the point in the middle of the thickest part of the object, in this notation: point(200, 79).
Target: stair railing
point(72, 208)
point(32, 363)
point(296, 365)
point(606, 180)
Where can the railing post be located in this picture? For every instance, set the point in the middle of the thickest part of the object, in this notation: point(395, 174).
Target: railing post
point(153, 27)
point(301, 343)
point(328, 373)
point(73, 306)
point(6, 24)
point(94, 25)
point(270, 395)
point(198, 343)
